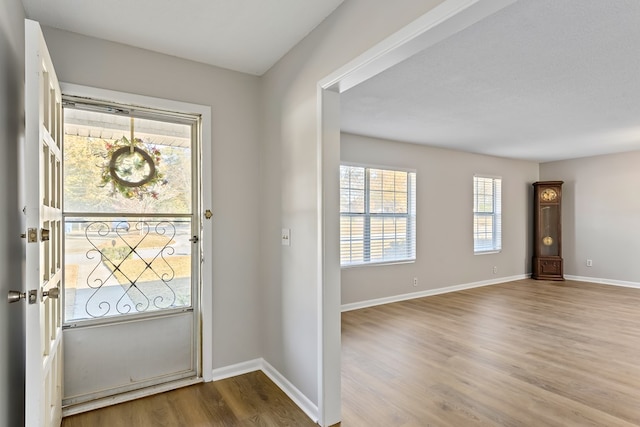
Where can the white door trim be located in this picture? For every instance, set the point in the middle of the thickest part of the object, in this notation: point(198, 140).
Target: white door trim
point(206, 290)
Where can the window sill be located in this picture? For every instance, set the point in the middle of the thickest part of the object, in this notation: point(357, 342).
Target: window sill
point(380, 263)
point(488, 252)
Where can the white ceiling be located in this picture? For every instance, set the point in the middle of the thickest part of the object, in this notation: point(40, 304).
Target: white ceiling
point(539, 80)
point(243, 35)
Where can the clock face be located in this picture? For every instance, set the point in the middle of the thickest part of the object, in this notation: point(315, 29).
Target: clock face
point(548, 195)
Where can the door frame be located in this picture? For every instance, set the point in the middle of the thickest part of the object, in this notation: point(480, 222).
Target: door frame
point(206, 185)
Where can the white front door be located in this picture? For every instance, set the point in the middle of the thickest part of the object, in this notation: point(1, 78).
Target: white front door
point(43, 140)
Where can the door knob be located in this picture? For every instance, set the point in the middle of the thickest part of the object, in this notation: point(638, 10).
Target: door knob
point(51, 293)
point(15, 296)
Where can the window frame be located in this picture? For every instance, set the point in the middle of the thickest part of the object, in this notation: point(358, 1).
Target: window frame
point(495, 213)
point(367, 216)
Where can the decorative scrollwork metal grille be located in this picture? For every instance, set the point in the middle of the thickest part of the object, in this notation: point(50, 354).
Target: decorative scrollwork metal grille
point(132, 271)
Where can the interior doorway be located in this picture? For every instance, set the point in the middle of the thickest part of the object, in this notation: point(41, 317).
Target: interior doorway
point(445, 20)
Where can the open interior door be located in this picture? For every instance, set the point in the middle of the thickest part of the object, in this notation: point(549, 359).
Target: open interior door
point(43, 163)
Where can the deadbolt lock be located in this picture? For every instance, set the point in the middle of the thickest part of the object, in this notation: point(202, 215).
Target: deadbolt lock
point(32, 235)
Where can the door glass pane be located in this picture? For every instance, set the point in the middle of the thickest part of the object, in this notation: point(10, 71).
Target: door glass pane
point(124, 265)
point(100, 173)
point(128, 214)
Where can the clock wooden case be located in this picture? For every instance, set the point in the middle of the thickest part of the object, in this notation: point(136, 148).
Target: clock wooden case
point(547, 231)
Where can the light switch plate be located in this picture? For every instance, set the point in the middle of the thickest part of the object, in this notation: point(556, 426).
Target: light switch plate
point(286, 237)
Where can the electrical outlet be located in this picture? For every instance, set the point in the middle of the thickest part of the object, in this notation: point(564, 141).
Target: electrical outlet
point(415, 281)
point(589, 263)
point(495, 269)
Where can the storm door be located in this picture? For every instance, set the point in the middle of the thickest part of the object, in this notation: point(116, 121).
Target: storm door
point(131, 248)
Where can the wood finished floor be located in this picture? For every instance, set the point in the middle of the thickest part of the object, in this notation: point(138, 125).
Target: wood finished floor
point(242, 401)
point(526, 353)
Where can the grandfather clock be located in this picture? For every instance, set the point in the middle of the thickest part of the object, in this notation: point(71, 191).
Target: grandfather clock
point(547, 230)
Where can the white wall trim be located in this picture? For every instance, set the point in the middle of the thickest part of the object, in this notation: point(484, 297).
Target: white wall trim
point(441, 22)
point(602, 281)
point(237, 369)
point(307, 406)
point(429, 292)
point(290, 390)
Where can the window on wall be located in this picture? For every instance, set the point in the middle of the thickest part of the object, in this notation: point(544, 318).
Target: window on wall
point(487, 214)
point(377, 215)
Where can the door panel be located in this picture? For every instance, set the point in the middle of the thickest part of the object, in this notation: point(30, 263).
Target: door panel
point(43, 272)
point(137, 356)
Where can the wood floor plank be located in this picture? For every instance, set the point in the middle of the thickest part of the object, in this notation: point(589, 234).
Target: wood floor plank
point(243, 401)
point(525, 353)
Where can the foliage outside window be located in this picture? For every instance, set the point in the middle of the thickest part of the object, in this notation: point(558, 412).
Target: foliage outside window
point(377, 215)
point(487, 214)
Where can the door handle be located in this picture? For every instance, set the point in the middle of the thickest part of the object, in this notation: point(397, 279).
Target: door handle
point(15, 296)
point(194, 239)
point(51, 293)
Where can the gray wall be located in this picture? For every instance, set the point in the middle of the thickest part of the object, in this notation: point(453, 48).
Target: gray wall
point(233, 98)
point(11, 220)
point(444, 219)
point(289, 190)
point(600, 215)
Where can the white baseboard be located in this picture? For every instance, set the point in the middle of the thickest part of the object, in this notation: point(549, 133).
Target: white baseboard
point(307, 406)
point(292, 391)
point(602, 281)
point(237, 369)
point(429, 292)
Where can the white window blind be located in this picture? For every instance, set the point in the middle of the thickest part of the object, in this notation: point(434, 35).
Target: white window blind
point(487, 214)
point(377, 215)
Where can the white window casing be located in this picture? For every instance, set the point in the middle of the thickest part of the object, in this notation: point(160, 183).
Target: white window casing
point(377, 215)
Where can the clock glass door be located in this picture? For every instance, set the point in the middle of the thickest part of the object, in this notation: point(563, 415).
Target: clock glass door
point(549, 228)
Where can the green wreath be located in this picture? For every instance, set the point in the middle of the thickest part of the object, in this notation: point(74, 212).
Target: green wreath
point(131, 169)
